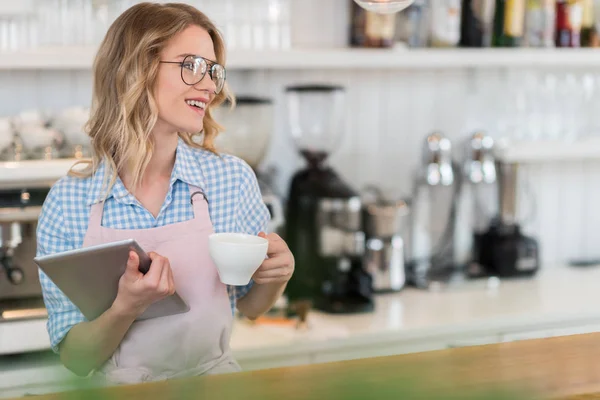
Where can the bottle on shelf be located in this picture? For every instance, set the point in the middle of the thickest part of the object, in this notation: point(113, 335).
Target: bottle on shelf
point(569, 16)
point(412, 25)
point(509, 23)
point(445, 23)
point(589, 34)
point(476, 23)
point(540, 23)
point(371, 29)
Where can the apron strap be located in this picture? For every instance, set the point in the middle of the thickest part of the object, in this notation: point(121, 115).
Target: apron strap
point(199, 200)
point(96, 212)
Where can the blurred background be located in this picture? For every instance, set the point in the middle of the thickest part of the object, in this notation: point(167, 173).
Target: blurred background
point(434, 170)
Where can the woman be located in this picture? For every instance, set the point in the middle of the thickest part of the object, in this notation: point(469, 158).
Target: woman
point(157, 75)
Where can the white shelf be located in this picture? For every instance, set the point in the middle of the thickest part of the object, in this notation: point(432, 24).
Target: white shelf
point(49, 58)
point(13, 174)
point(33, 172)
point(413, 58)
point(549, 151)
point(344, 58)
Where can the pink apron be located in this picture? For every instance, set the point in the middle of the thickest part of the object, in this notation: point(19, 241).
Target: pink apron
point(176, 346)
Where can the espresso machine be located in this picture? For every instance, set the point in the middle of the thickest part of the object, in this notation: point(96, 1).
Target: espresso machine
point(324, 213)
point(248, 132)
point(22, 311)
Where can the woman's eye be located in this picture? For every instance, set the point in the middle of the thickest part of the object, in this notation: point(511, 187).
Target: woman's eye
point(189, 66)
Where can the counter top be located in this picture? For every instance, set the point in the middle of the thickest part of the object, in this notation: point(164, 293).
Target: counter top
point(559, 301)
point(34, 173)
point(556, 299)
point(543, 368)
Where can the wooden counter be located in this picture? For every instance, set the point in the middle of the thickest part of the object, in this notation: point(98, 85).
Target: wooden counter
point(562, 368)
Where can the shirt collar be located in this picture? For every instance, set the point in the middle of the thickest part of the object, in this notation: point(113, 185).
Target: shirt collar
point(187, 169)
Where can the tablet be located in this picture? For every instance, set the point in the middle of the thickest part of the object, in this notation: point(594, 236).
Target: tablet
point(89, 277)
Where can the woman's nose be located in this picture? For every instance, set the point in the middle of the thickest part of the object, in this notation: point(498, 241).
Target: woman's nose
point(206, 84)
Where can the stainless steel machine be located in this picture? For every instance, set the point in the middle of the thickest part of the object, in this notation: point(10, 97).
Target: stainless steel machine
point(30, 163)
point(22, 311)
point(504, 250)
point(385, 223)
point(464, 222)
point(433, 209)
point(477, 203)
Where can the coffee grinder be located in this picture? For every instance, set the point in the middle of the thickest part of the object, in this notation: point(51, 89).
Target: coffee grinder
point(248, 132)
point(323, 216)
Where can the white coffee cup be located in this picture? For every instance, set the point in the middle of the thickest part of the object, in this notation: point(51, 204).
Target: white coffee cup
point(237, 256)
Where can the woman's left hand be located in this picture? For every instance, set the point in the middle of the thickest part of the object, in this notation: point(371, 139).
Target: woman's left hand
point(279, 267)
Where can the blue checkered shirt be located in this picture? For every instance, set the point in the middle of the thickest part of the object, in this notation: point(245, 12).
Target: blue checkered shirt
point(235, 205)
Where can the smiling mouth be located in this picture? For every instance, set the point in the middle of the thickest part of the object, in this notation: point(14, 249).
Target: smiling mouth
point(197, 104)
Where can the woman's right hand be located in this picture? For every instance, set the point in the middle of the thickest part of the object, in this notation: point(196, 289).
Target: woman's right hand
point(138, 291)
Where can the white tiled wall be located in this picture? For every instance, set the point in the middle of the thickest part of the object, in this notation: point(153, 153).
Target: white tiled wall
point(388, 114)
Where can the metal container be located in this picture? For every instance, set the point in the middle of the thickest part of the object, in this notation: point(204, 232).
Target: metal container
point(436, 159)
point(432, 211)
point(477, 201)
point(384, 260)
point(384, 257)
point(382, 219)
point(507, 196)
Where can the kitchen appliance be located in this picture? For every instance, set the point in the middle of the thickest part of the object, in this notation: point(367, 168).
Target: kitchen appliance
point(248, 131)
point(504, 251)
point(477, 202)
point(383, 222)
point(433, 213)
point(19, 210)
point(22, 311)
point(324, 227)
point(463, 217)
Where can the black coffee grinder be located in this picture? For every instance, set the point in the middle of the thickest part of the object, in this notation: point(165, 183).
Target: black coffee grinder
point(323, 215)
point(503, 250)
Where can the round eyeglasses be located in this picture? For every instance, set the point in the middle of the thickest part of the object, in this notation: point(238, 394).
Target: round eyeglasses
point(194, 68)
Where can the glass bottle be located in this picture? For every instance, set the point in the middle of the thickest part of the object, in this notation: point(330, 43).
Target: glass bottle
point(509, 23)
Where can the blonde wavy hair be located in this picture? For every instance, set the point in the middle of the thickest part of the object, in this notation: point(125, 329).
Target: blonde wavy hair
point(124, 110)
